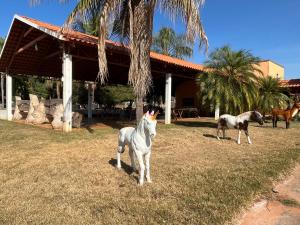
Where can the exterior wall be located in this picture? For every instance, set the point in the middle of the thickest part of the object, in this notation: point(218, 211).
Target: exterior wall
point(185, 92)
point(270, 68)
point(275, 69)
point(264, 67)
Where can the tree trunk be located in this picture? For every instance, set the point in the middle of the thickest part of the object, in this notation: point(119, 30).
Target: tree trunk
point(139, 109)
point(141, 26)
point(58, 89)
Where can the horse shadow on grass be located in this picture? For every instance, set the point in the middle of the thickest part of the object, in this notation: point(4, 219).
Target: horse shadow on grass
point(124, 166)
point(215, 137)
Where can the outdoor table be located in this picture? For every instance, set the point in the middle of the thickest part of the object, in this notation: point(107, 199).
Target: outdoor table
point(180, 112)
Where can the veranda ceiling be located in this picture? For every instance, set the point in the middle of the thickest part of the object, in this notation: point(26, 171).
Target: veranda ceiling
point(35, 48)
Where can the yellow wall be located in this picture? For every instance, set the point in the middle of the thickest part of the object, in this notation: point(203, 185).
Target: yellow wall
point(275, 69)
point(270, 68)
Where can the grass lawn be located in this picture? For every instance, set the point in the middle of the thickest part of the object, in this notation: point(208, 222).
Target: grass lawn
point(48, 177)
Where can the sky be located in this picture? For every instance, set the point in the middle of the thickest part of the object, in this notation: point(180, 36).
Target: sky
point(269, 29)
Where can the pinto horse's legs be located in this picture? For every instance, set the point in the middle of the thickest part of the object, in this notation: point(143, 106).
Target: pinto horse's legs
point(248, 137)
point(139, 157)
point(218, 132)
point(273, 121)
point(147, 162)
point(239, 137)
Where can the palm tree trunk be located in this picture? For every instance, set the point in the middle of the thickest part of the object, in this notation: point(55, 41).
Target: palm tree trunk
point(139, 109)
point(58, 89)
point(141, 26)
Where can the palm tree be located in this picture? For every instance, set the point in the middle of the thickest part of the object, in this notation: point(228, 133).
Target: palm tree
point(230, 81)
point(168, 43)
point(133, 22)
point(270, 94)
point(2, 40)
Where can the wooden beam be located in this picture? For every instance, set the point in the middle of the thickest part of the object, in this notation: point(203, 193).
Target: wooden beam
point(31, 43)
point(123, 65)
point(52, 55)
point(14, 54)
point(28, 31)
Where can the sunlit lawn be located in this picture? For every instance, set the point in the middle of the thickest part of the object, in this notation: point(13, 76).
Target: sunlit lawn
point(47, 177)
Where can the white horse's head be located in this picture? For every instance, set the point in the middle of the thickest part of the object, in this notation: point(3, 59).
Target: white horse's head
point(149, 120)
point(257, 117)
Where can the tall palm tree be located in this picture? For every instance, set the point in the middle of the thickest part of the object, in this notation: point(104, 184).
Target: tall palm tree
point(133, 21)
point(168, 43)
point(270, 94)
point(230, 81)
point(2, 40)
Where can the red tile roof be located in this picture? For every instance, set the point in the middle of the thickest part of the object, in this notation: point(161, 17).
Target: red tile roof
point(71, 35)
point(290, 83)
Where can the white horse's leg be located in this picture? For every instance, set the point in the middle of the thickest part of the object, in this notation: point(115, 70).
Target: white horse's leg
point(248, 137)
point(147, 162)
point(118, 160)
point(218, 132)
point(131, 155)
point(139, 157)
point(239, 137)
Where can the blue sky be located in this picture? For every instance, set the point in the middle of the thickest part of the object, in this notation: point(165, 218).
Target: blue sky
point(270, 29)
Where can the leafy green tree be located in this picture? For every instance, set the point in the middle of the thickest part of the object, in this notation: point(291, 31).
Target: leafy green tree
point(2, 40)
point(271, 94)
point(114, 94)
point(133, 22)
point(168, 43)
point(230, 82)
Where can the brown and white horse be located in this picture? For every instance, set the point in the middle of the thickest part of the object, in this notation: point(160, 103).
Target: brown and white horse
point(239, 122)
point(287, 114)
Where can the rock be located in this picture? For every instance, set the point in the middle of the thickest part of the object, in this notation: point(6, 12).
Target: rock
point(57, 122)
point(34, 102)
point(39, 113)
point(17, 114)
point(76, 119)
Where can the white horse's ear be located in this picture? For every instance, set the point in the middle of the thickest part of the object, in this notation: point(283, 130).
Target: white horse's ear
point(147, 113)
point(152, 113)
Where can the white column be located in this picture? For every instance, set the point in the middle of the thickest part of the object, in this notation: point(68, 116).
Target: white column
point(67, 91)
point(168, 98)
point(9, 97)
point(90, 101)
point(217, 112)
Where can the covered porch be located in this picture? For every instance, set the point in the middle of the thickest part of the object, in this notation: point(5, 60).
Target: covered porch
point(35, 48)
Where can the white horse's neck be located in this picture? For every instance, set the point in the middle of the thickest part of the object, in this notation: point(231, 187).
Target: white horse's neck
point(141, 128)
point(244, 116)
point(143, 134)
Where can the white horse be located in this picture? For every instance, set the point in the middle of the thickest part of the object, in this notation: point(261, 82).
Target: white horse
point(239, 122)
point(139, 141)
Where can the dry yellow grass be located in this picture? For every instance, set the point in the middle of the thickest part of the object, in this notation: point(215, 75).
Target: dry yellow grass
point(48, 177)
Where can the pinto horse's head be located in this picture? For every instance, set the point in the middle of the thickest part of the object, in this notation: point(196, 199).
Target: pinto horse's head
point(150, 123)
point(257, 117)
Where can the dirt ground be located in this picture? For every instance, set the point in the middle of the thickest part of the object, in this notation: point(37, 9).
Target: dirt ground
point(284, 209)
point(48, 177)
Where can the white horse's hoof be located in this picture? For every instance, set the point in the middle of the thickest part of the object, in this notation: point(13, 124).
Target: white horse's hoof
point(149, 181)
point(118, 167)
